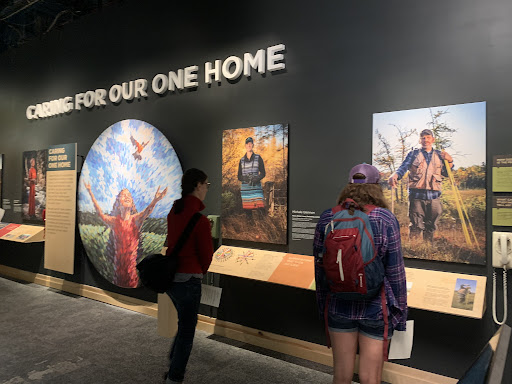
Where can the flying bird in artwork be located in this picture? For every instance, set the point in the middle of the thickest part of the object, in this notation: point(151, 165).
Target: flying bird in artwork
point(139, 147)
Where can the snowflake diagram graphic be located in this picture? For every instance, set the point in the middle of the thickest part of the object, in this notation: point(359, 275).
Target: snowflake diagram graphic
point(245, 257)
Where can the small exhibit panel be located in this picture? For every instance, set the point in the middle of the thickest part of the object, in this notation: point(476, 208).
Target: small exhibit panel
point(502, 173)
point(21, 233)
point(273, 267)
point(445, 292)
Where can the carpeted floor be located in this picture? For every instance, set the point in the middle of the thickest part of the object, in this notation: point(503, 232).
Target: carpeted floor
point(47, 336)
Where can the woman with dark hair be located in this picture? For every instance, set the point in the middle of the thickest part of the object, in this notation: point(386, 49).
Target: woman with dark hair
point(194, 260)
point(125, 224)
point(353, 323)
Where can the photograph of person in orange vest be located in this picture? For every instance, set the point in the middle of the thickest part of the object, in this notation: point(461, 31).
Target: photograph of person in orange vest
point(427, 170)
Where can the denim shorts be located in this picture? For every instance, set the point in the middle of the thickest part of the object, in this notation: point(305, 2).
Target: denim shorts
point(370, 328)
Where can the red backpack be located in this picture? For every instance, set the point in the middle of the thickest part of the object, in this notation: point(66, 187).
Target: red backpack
point(352, 268)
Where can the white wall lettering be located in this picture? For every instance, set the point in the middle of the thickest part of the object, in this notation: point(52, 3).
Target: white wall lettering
point(264, 60)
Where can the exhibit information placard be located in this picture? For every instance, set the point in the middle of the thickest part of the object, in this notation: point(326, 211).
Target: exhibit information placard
point(445, 292)
point(274, 267)
point(21, 233)
point(502, 210)
point(502, 173)
point(59, 250)
point(5, 228)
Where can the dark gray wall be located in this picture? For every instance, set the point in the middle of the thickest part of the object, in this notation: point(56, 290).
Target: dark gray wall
point(344, 61)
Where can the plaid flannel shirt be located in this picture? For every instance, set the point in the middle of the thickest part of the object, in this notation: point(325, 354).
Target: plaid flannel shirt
point(386, 233)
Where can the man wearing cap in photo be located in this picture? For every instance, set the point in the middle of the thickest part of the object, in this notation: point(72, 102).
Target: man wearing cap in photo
point(251, 170)
point(427, 169)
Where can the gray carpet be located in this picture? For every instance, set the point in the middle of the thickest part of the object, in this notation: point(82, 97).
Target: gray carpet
point(47, 336)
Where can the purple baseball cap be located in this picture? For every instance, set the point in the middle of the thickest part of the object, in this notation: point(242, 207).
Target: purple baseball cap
point(372, 175)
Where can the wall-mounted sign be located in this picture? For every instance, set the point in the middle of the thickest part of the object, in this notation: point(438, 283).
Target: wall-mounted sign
point(270, 59)
point(502, 210)
point(59, 249)
point(502, 173)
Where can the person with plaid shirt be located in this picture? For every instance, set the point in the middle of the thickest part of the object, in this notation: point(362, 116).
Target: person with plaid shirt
point(426, 172)
point(354, 323)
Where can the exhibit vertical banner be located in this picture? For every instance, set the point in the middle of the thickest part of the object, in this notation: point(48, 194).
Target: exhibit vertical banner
point(1, 177)
point(59, 250)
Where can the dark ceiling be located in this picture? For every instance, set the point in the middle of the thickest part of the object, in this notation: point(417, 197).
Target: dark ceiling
point(25, 20)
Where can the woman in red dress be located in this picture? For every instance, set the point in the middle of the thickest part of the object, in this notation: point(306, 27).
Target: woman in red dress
point(125, 224)
point(32, 177)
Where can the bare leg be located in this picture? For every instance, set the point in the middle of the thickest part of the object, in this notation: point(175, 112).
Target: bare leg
point(344, 348)
point(371, 360)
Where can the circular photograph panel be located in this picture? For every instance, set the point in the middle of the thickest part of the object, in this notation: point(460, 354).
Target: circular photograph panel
point(129, 181)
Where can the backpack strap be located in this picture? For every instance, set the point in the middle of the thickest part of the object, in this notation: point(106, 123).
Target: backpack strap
point(348, 202)
point(438, 151)
point(386, 323)
point(326, 320)
point(186, 233)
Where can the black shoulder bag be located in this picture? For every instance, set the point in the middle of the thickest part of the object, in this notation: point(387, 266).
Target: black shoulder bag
point(157, 271)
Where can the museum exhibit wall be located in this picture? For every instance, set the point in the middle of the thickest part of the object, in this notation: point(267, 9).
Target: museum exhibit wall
point(344, 61)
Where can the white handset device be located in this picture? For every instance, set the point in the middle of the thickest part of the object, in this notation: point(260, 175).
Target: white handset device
point(501, 258)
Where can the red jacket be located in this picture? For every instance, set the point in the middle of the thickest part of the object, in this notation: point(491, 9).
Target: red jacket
point(197, 252)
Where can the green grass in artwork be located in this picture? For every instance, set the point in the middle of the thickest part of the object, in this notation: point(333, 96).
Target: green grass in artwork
point(95, 239)
point(450, 243)
point(463, 303)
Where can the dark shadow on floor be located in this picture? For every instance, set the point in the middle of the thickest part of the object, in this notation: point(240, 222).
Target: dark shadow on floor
point(276, 355)
point(72, 295)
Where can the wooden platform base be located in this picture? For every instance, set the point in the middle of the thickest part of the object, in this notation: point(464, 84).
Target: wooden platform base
point(393, 373)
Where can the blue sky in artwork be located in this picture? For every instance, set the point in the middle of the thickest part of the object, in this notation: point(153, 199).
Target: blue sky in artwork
point(111, 166)
point(281, 135)
point(471, 283)
point(469, 121)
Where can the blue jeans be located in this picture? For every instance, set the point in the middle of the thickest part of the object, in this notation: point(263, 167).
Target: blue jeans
point(370, 328)
point(186, 297)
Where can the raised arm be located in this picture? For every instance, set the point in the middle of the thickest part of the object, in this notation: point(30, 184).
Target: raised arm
point(141, 216)
point(447, 162)
point(106, 218)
